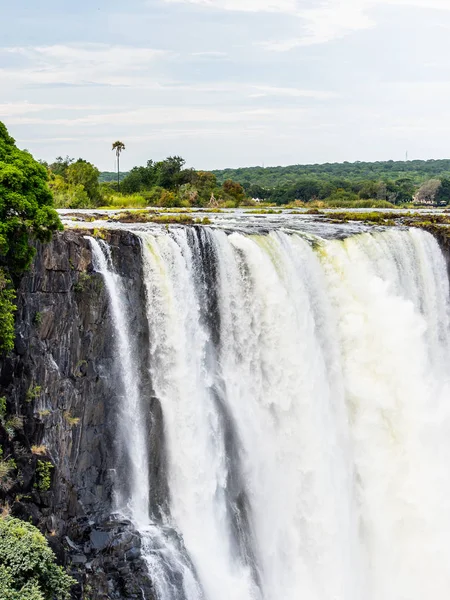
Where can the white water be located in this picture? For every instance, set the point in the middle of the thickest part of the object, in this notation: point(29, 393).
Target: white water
point(309, 447)
point(132, 435)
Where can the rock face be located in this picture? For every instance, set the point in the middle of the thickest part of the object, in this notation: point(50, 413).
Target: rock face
point(61, 380)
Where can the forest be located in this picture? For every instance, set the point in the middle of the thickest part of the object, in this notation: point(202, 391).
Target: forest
point(169, 184)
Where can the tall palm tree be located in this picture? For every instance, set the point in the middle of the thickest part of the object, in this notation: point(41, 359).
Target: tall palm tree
point(118, 147)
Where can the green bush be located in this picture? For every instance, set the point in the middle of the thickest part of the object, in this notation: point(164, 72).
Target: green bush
point(26, 212)
point(28, 570)
point(44, 475)
point(7, 310)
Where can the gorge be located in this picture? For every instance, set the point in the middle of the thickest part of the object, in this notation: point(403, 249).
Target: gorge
point(244, 411)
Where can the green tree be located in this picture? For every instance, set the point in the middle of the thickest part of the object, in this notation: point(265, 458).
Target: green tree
point(443, 193)
point(427, 192)
point(60, 166)
point(118, 147)
point(84, 173)
point(233, 189)
point(169, 171)
point(28, 570)
point(26, 213)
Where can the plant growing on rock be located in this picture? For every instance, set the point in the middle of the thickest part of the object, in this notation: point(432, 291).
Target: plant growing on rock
point(44, 475)
point(33, 392)
point(71, 420)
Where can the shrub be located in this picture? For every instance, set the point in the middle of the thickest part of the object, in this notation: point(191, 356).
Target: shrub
point(28, 570)
point(44, 475)
point(33, 393)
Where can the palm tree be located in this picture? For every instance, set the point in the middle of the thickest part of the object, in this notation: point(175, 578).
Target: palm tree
point(118, 147)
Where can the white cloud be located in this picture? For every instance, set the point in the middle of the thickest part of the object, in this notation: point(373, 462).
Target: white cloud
point(266, 90)
point(80, 64)
point(210, 53)
point(283, 6)
point(157, 115)
point(15, 109)
point(327, 21)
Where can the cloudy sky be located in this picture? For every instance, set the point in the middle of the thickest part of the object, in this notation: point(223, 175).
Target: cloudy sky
point(227, 82)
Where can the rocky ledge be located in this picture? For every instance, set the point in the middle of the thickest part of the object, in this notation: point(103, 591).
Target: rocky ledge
point(61, 407)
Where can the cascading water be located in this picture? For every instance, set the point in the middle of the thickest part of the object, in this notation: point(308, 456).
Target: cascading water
point(131, 430)
point(307, 425)
point(171, 569)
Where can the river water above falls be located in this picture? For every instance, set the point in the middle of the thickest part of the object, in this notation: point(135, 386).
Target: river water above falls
point(304, 386)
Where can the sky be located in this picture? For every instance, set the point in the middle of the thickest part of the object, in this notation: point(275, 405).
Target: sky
point(227, 83)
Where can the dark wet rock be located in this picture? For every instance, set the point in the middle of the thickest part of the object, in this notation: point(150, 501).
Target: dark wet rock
point(61, 379)
point(99, 540)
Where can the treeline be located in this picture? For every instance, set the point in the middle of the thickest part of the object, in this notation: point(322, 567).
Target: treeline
point(339, 184)
point(416, 170)
point(340, 191)
point(166, 183)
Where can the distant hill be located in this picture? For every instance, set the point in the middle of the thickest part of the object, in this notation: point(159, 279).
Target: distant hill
point(269, 177)
point(106, 176)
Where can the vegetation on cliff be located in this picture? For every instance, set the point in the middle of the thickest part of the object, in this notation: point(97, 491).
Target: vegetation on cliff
point(28, 570)
point(26, 213)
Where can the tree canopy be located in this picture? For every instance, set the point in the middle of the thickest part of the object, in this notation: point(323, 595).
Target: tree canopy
point(26, 205)
point(28, 570)
point(26, 213)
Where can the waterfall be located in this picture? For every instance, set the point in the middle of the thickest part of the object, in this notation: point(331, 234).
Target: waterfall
point(131, 430)
point(304, 389)
point(172, 572)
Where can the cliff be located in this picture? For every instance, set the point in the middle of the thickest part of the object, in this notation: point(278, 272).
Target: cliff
point(62, 393)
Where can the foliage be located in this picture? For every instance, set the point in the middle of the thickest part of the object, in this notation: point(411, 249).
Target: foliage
point(28, 570)
point(44, 475)
point(2, 407)
point(6, 468)
point(113, 199)
point(7, 310)
point(33, 392)
point(71, 420)
point(393, 182)
point(74, 183)
point(428, 191)
point(84, 278)
point(443, 193)
point(118, 148)
point(68, 196)
point(26, 213)
point(111, 177)
point(83, 173)
point(415, 170)
point(26, 209)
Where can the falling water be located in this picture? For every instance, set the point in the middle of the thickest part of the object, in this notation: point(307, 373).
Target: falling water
point(170, 567)
point(131, 430)
point(305, 399)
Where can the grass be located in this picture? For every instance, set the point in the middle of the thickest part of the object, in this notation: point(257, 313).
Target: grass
point(39, 450)
point(129, 201)
point(70, 420)
point(145, 216)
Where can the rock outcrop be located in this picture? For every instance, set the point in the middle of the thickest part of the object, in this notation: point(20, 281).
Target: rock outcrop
point(62, 391)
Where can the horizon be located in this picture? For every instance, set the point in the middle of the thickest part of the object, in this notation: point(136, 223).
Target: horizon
point(228, 82)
